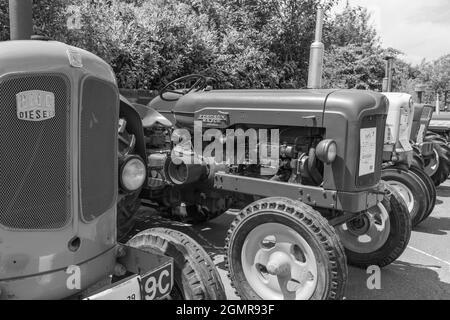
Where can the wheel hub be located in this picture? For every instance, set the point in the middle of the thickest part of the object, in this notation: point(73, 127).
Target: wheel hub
point(405, 193)
point(432, 165)
point(278, 263)
point(368, 233)
point(359, 226)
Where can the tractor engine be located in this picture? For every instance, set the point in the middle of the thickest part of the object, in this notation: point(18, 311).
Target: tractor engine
point(325, 140)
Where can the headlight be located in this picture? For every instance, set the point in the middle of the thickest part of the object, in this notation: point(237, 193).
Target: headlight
point(326, 151)
point(132, 173)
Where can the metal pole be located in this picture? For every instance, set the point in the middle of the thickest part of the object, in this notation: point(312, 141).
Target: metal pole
point(21, 19)
point(316, 54)
point(387, 81)
point(438, 104)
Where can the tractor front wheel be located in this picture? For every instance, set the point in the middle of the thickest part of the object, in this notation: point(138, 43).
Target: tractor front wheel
point(380, 235)
point(195, 275)
point(438, 167)
point(430, 187)
point(412, 189)
point(280, 249)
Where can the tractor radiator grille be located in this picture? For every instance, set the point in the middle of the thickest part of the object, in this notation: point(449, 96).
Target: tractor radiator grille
point(35, 184)
point(98, 134)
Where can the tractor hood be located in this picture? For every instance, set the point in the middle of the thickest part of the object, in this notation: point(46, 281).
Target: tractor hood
point(308, 108)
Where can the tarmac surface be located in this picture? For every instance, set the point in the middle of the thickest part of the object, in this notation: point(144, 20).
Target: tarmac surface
point(421, 273)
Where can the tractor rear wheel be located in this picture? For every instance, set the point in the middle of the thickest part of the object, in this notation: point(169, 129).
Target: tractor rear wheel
point(278, 248)
point(438, 168)
point(412, 189)
point(195, 275)
point(379, 236)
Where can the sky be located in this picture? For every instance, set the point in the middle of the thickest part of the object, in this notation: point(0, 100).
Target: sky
point(419, 28)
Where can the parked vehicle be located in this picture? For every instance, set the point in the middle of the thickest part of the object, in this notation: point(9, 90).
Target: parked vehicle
point(401, 169)
point(432, 146)
point(63, 175)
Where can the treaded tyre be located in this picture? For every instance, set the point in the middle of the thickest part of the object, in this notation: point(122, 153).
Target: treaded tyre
point(195, 275)
point(279, 248)
point(412, 189)
point(127, 209)
point(379, 236)
point(439, 167)
point(431, 189)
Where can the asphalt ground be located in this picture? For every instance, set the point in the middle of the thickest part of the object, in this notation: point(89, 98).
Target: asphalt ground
point(421, 273)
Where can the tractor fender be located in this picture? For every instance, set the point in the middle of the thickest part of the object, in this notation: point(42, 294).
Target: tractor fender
point(134, 125)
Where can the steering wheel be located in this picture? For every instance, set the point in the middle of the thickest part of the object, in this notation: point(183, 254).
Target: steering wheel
point(199, 83)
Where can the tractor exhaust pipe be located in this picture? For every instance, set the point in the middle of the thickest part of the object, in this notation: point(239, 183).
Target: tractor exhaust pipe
point(316, 54)
point(387, 81)
point(21, 19)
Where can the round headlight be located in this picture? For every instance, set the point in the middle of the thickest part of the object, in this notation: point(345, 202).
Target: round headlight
point(326, 151)
point(132, 174)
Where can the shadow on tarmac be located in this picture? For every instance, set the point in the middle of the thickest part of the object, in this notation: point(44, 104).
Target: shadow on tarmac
point(434, 225)
point(443, 191)
point(400, 281)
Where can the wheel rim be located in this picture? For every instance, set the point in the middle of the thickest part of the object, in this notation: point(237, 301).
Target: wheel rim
point(278, 263)
point(368, 233)
point(432, 165)
point(406, 194)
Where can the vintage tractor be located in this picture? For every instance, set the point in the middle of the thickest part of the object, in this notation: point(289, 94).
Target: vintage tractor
point(63, 174)
point(322, 193)
point(401, 167)
point(302, 166)
point(432, 147)
point(440, 125)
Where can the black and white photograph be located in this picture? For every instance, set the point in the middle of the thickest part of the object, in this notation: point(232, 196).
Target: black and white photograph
point(240, 153)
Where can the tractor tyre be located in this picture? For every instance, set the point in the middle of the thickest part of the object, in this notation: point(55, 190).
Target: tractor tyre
point(431, 189)
point(127, 209)
point(439, 167)
point(379, 236)
point(436, 137)
point(412, 189)
point(195, 275)
point(278, 248)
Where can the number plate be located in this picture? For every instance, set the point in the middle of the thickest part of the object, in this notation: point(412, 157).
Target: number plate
point(158, 284)
point(155, 285)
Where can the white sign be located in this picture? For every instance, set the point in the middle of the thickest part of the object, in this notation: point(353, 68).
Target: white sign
point(35, 105)
point(368, 144)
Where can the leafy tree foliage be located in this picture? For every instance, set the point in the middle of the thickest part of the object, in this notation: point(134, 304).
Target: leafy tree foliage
point(241, 43)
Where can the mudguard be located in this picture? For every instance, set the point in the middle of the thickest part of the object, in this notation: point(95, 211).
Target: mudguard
point(134, 125)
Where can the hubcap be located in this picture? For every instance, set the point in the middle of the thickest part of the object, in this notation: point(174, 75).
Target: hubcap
point(367, 233)
point(279, 264)
point(432, 165)
point(406, 194)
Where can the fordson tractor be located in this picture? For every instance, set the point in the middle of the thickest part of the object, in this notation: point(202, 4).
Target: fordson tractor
point(303, 167)
point(402, 166)
point(432, 147)
point(64, 176)
point(302, 217)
